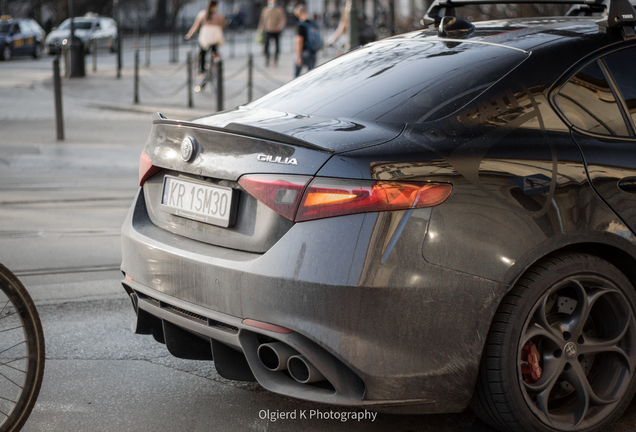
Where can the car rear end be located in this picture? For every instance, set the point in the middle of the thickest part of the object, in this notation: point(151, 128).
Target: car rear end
point(278, 236)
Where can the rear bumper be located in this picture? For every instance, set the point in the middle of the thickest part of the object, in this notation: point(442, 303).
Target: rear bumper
point(386, 329)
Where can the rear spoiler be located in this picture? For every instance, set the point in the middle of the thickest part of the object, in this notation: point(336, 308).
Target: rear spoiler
point(243, 130)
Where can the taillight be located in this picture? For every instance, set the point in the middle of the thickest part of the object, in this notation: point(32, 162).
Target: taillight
point(280, 193)
point(146, 168)
point(335, 197)
point(326, 197)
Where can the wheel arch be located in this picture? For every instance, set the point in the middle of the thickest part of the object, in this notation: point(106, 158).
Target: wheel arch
point(615, 249)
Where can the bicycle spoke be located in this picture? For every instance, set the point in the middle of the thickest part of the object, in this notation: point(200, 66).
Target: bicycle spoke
point(13, 328)
point(19, 343)
point(9, 400)
point(8, 315)
point(5, 306)
point(10, 380)
point(8, 364)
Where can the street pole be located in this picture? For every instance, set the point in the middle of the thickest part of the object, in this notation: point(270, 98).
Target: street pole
point(392, 31)
point(76, 66)
point(119, 36)
point(57, 89)
point(354, 33)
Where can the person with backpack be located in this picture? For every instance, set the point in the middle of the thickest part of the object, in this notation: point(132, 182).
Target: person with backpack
point(308, 40)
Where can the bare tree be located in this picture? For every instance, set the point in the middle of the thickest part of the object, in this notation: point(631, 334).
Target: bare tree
point(177, 5)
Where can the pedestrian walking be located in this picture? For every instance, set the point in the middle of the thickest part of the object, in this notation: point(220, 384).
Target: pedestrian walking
point(307, 41)
point(210, 26)
point(341, 37)
point(272, 23)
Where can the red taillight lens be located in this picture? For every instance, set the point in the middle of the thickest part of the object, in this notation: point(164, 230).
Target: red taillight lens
point(146, 168)
point(335, 197)
point(280, 193)
point(325, 197)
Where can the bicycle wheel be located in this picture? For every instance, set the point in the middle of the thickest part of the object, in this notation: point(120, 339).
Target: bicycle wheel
point(21, 352)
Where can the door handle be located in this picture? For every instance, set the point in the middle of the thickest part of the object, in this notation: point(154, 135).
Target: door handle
point(628, 184)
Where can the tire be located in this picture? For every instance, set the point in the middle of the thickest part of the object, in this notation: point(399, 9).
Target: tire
point(37, 52)
point(21, 352)
point(577, 311)
point(7, 53)
point(113, 45)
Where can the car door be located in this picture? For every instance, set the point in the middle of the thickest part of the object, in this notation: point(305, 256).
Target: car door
point(599, 101)
point(17, 39)
point(28, 36)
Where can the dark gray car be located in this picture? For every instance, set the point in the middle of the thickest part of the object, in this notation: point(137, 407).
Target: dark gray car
point(439, 219)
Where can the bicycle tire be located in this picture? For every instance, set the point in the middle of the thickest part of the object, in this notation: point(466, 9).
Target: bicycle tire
point(22, 362)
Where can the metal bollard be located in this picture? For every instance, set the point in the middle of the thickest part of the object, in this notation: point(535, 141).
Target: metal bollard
point(219, 85)
point(57, 88)
point(136, 100)
point(250, 77)
point(189, 71)
point(232, 43)
point(147, 50)
point(94, 42)
point(120, 41)
point(174, 47)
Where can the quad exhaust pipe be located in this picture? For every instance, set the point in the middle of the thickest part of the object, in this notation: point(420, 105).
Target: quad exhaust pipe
point(303, 371)
point(274, 355)
point(278, 356)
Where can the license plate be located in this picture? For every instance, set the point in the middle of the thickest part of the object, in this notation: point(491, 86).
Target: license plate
point(202, 202)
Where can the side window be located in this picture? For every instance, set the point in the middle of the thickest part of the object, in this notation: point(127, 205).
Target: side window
point(588, 103)
point(16, 29)
point(622, 65)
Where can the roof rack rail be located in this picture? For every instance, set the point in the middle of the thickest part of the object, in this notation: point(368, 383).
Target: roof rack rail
point(620, 14)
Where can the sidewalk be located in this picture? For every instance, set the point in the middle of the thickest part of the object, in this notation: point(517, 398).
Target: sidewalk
point(26, 88)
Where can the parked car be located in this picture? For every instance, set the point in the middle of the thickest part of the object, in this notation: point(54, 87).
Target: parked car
point(440, 219)
point(20, 37)
point(90, 29)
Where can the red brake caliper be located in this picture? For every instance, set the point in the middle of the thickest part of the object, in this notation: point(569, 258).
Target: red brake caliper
point(530, 367)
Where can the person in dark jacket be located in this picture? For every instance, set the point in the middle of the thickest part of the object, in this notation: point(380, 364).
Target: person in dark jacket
point(304, 55)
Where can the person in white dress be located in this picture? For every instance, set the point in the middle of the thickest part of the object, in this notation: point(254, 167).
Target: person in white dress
point(210, 26)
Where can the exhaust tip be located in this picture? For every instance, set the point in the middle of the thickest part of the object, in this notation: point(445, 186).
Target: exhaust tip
point(268, 357)
point(274, 356)
point(303, 371)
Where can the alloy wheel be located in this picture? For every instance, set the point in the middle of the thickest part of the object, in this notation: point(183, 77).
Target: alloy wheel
point(577, 352)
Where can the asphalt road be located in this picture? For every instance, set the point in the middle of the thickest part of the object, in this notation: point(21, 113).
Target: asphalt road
point(61, 208)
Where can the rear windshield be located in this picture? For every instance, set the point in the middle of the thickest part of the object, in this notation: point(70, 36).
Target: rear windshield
point(79, 25)
point(397, 81)
point(4, 27)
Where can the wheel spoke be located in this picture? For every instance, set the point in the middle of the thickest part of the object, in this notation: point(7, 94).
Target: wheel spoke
point(574, 325)
point(552, 368)
point(595, 345)
point(603, 347)
point(576, 377)
point(542, 327)
point(538, 330)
